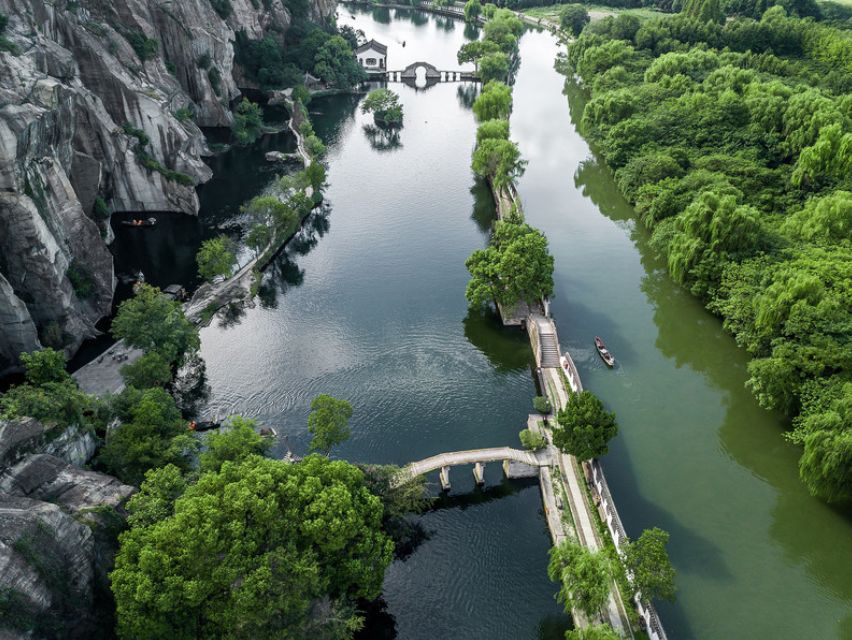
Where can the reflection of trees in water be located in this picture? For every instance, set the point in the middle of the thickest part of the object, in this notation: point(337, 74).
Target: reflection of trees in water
point(282, 273)
point(506, 348)
point(381, 15)
point(382, 139)
point(553, 627)
point(415, 17)
point(445, 23)
point(484, 211)
point(471, 31)
point(379, 623)
point(808, 530)
point(466, 93)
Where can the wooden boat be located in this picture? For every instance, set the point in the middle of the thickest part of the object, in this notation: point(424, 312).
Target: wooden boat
point(203, 425)
point(606, 356)
point(139, 222)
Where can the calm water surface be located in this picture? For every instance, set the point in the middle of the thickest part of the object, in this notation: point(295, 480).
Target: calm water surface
point(368, 304)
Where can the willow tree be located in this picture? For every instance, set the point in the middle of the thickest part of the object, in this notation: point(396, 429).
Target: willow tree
point(583, 575)
point(498, 160)
point(495, 101)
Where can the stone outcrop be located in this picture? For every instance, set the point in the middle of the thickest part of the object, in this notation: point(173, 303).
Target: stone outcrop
point(58, 527)
point(25, 436)
point(100, 108)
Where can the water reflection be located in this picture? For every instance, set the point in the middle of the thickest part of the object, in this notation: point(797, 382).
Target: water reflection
point(382, 139)
point(506, 348)
point(466, 94)
point(484, 211)
point(445, 23)
point(471, 31)
point(381, 15)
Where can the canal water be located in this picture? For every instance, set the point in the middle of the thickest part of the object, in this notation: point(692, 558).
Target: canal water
point(368, 304)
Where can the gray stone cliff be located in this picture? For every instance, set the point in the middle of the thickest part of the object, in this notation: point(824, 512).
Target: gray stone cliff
point(86, 122)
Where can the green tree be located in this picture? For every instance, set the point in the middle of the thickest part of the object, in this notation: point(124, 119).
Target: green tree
point(532, 440)
point(216, 258)
point(258, 237)
point(476, 49)
point(248, 122)
point(703, 10)
point(472, 11)
point(583, 576)
point(44, 365)
point(152, 321)
point(495, 101)
point(315, 173)
point(156, 498)
point(593, 632)
point(573, 18)
point(492, 129)
point(584, 428)
point(328, 422)
point(335, 63)
point(385, 107)
point(150, 370)
point(494, 66)
point(515, 266)
point(152, 435)
point(50, 394)
point(498, 160)
point(235, 443)
point(248, 551)
point(648, 562)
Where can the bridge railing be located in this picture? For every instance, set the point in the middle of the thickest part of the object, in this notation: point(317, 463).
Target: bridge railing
point(646, 609)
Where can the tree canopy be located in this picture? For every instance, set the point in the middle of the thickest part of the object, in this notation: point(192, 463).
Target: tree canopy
point(495, 101)
point(249, 552)
point(154, 322)
point(583, 576)
point(498, 160)
point(328, 422)
point(733, 138)
point(515, 266)
point(385, 106)
point(648, 562)
point(583, 427)
point(216, 258)
point(573, 18)
point(236, 442)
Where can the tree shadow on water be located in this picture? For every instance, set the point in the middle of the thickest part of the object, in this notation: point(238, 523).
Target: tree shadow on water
point(382, 139)
point(484, 211)
point(507, 348)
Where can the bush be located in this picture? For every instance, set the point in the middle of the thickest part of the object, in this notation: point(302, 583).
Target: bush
point(216, 258)
point(81, 281)
point(215, 78)
point(151, 370)
point(100, 209)
point(542, 404)
point(146, 48)
point(222, 7)
point(532, 440)
point(248, 122)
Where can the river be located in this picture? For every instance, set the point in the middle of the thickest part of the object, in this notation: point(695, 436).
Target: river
point(368, 305)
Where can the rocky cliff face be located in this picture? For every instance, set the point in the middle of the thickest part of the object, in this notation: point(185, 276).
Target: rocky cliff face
point(58, 527)
point(100, 108)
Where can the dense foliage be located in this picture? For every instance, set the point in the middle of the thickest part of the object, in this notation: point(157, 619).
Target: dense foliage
point(325, 52)
point(49, 394)
point(516, 265)
point(153, 322)
point(734, 141)
point(328, 422)
point(257, 549)
point(248, 122)
point(573, 18)
point(648, 563)
point(583, 427)
point(216, 258)
point(385, 106)
point(152, 434)
point(583, 576)
point(532, 440)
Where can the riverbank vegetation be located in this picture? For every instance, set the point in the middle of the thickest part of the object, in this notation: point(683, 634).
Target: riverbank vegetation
point(733, 139)
point(584, 427)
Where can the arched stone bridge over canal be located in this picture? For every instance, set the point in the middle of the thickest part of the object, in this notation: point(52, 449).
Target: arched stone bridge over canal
point(431, 73)
point(516, 463)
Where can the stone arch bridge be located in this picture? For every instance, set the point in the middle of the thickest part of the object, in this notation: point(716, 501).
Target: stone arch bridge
point(433, 74)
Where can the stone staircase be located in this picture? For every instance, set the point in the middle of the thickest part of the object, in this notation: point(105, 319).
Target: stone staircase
point(549, 345)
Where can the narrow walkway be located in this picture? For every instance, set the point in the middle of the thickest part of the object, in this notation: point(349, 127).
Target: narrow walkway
point(473, 456)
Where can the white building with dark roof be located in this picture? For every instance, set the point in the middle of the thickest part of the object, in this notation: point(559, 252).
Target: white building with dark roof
point(372, 56)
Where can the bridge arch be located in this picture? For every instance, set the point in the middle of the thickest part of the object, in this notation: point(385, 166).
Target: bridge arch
point(410, 72)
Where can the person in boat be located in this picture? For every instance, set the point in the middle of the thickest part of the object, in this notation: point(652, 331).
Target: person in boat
point(193, 425)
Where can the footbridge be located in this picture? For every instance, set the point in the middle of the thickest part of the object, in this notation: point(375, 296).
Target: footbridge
point(430, 73)
point(516, 463)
